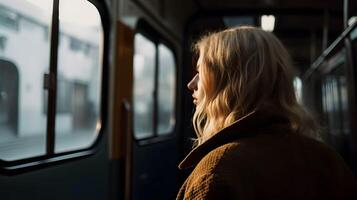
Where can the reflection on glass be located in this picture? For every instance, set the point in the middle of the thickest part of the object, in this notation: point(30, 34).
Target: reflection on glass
point(344, 105)
point(332, 104)
point(335, 107)
point(24, 51)
point(79, 75)
point(144, 76)
point(166, 90)
point(298, 89)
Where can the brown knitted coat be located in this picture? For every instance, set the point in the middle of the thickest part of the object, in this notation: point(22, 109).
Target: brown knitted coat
point(259, 157)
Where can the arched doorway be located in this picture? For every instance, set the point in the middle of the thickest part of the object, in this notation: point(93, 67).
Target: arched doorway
point(9, 98)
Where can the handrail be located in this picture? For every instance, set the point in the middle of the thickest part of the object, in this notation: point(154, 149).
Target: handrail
point(315, 65)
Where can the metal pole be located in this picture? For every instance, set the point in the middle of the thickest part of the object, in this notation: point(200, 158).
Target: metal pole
point(345, 14)
point(325, 30)
point(312, 46)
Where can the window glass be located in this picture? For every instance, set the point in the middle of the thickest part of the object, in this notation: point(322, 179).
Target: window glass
point(333, 109)
point(144, 79)
point(166, 90)
point(298, 89)
point(24, 58)
point(335, 106)
point(79, 75)
point(344, 105)
point(236, 21)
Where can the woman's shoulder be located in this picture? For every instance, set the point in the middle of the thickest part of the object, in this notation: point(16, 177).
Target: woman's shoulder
point(212, 161)
point(288, 150)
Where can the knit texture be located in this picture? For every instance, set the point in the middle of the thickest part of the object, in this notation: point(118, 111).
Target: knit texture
point(260, 158)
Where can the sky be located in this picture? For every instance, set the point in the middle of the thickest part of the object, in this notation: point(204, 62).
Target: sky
point(72, 11)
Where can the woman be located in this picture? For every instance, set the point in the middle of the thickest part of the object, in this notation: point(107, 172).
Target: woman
point(254, 140)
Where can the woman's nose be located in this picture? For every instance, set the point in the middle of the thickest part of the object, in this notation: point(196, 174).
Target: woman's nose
point(192, 85)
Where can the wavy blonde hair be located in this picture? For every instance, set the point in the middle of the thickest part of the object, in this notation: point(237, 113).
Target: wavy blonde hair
point(241, 70)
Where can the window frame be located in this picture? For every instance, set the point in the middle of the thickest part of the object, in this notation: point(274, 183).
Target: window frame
point(146, 30)
point(341, 47)
point(51, 158)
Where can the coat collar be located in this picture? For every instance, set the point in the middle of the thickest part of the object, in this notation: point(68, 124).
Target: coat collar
point(257, 122)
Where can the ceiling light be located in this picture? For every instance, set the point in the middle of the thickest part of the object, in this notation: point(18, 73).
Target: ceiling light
point(267, 22)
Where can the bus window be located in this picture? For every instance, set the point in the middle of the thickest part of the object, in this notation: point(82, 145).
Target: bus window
point(25, 27)
point(144, 85)
point(24, 53)
point(154, 86)
point(166, 90)
point(78, 75)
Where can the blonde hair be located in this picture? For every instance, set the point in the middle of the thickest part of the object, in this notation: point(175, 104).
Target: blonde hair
point(241, 70)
